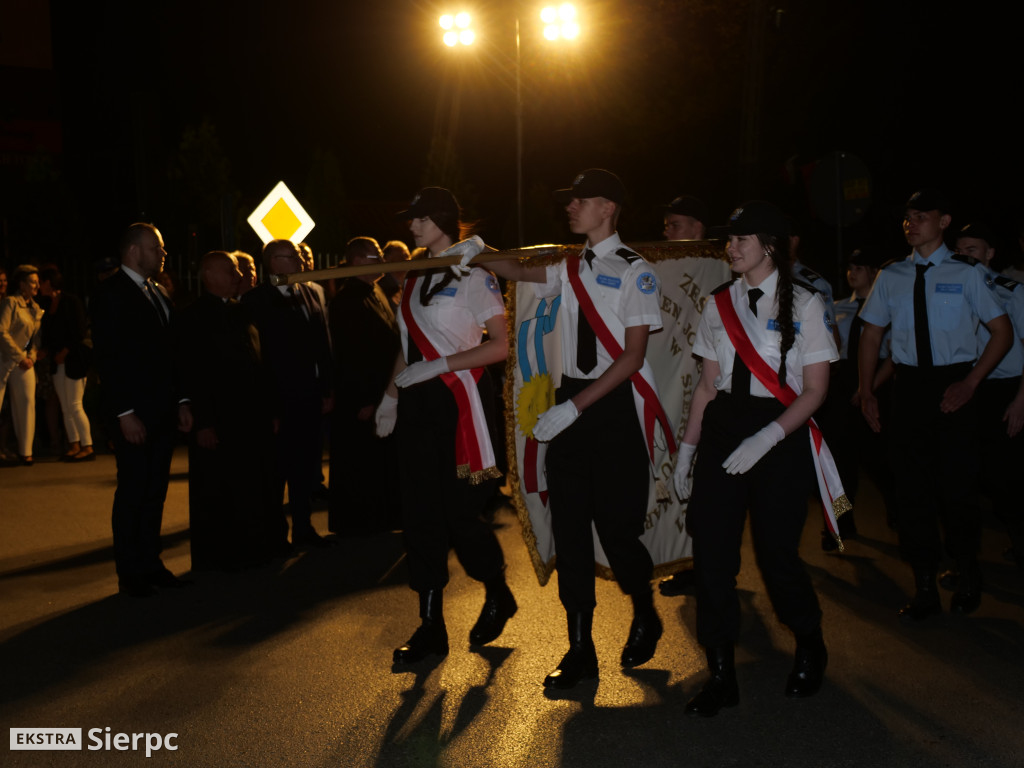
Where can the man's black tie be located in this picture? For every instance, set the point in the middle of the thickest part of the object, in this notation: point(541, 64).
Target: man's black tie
point(152, 292)
point(853, 343)
point(921, 334)
point(586, 341)
point(740, 372)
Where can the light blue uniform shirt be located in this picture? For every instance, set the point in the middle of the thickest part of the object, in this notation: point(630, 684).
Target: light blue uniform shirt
point(1010, 296)
point(846, 310)
point(957, 298)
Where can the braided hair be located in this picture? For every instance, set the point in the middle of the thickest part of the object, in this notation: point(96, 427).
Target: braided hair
point(777, 249)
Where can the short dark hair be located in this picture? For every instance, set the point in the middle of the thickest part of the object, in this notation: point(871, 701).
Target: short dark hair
point(133, 235)
point(360, 246)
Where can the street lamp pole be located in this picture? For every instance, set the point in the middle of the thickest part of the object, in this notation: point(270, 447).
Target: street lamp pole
point(519, 140)
point(560, 22)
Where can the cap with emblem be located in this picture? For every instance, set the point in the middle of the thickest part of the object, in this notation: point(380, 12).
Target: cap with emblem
point(758, 217)
point(595, 182)
point(430, 200)
point(978, 230)
point(687, 205)
point(928, 200)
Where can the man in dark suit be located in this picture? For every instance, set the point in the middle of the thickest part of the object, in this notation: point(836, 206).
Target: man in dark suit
point(364, 494)
point(296, 347)
point(131, 317)
point(230, 455)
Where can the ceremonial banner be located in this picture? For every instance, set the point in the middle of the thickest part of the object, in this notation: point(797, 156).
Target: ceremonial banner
point(688, 272)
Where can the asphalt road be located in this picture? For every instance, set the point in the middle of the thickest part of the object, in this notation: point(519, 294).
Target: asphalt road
point(290, 665)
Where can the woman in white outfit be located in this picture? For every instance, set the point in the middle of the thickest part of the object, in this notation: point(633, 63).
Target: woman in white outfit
point(20, 319)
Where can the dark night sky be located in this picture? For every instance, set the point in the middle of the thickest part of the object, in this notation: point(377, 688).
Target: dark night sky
point(342, 100)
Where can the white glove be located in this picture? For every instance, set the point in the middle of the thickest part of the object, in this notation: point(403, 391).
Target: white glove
point(554, 420)
point(682, 478)
point(468, 249)
point(424, 370)
point(386, 416)
point(751, 450)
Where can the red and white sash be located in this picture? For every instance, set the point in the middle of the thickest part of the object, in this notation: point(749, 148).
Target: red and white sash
point(474, 454)
point(833, 498)
point(645, 392)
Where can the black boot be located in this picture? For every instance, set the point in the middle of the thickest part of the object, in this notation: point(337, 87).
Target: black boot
point(580, 663)
point(967, 596)
point(809, 664)
point(644, 632)
point(926, 599)
point(499, 607)
point(431, 636)
point(721, 690)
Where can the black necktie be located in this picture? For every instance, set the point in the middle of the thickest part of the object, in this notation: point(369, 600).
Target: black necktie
point(740, 372)
point(921, 335)
point(151, 291)
point(586, 341)
point(853, 343)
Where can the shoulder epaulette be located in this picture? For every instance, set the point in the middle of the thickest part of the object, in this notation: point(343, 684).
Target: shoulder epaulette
point(1004, 281)
point(968, 260)
point(808, 274)
point(805, 286)
point(628, 255)
point(722, 287)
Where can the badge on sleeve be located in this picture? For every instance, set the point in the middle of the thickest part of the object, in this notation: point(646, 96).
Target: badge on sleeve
point(492, 284)
point(828, 322)
point(646, 283)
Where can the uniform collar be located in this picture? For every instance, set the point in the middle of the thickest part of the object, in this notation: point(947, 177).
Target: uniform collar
point(607, 246)
point(938, 256)
point(767, 285)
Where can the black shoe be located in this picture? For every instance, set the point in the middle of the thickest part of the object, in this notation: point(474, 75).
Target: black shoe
point(1013, 555)
point(164, 579)
point(430, 638)
point(311, 538)
point(644, 633)
point(135, 586)
point(965, 602)
point(949, 579)
point(808, 672)
point(499, 607)
point(967, 592)
point(721, 690)
point(921, 607)
point(680, 583)
point(580, 663)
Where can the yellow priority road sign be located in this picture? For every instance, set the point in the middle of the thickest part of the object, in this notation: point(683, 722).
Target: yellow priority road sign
point(280, 217)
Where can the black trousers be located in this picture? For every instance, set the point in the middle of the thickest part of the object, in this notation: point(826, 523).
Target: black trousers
point(598, 478)
point(298, 459)
point(775, 491)
point(1002, 456)
point(143, 473)
point(441, 511)
point(936, 459)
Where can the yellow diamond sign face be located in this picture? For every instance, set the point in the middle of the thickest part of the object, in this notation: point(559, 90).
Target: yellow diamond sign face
point(280, 217)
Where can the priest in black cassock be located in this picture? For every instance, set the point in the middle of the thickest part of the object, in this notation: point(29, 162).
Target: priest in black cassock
point(230, 516)
point(364, 483)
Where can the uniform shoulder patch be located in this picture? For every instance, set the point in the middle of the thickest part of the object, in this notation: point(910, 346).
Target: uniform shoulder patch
point(628, 255)
point(968, 260)
point(1004, 281)
point(723, 287)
